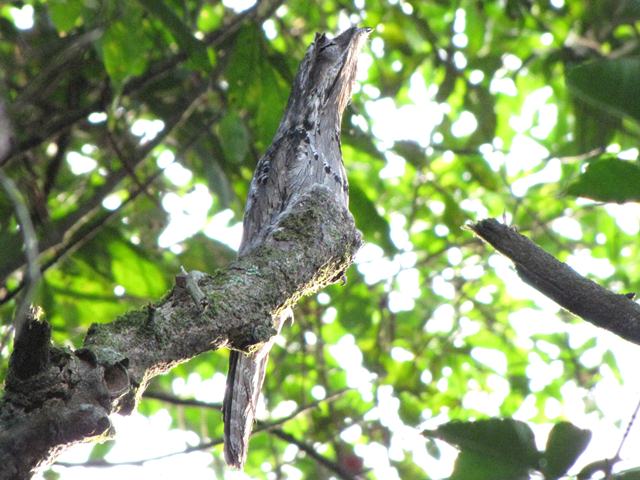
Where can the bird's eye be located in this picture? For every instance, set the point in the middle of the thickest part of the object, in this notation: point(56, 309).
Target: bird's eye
point(327, 45)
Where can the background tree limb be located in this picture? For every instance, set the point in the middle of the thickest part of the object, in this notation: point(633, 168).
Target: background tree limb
point(614, 312)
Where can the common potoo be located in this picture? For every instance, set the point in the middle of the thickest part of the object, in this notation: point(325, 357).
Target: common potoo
point(305, 152)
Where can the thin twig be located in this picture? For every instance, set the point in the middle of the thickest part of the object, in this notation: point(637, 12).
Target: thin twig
point(262, 426)
point(76, 218)
point(185, 402)
point(104, 464)
point(626, 432)
point(30, 247)
point(313, 453)
point(166, 397)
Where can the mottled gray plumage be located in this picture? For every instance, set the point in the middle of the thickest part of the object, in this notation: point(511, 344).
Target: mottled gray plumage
point(305, 151)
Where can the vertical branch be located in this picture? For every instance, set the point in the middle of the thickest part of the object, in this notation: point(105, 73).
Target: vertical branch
point(32, 270)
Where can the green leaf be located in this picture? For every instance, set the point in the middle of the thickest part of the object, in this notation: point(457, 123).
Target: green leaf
point(609, 84)
point(100, 450)
point(609, 180)
point(134, 269)
point(255, 85)
point(454, 217)
point(210, 17)
point(505, 441)
point(65, 13)
point(51, 475)
point(609, 359)
point(433, 449)
point(182, 34)
point(476, 466)
point(482, 104)
point(633, 474)
point(475, 27)
point(565, 444)
point(234, 137)
point(481, 172)
point(593, 127)
point(244, 58)
point(410, 408)
point(373, 225)
point(124, 49)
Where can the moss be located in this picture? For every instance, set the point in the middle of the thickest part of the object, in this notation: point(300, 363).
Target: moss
point(110, 333)
point(130, 320)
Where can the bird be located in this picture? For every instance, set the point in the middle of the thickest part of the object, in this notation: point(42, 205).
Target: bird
point(305, 151)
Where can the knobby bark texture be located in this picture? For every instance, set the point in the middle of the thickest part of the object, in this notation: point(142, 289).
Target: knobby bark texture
point(614, 312)
point(55, 397)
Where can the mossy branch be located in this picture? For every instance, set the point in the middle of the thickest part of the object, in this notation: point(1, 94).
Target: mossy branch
point(68, 398)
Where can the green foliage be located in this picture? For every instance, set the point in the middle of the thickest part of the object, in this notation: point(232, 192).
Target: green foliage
point(609, 180)
point(465, 110)
point(504, 449)
point(608, 84)
point(194, 48)
point(65, 13)
point(565, 444)
point(124, 47)
point(496, 448)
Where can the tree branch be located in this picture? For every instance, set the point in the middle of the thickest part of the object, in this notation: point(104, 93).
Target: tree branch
point(27, 231)
point(190, 402)
point(582, 297)
point(311, 451)
point(32, 270)
point(69, 398)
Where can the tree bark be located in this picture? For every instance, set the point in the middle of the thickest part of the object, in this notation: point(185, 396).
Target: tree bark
point(617, 313)
point(55, 397)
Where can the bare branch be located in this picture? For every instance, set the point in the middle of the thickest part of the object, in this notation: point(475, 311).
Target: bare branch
point(313, 453)
point(579, 295)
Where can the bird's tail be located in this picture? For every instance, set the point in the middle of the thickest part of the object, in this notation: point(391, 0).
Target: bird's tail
point(244, 382)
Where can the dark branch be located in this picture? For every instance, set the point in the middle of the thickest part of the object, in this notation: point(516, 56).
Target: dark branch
point(579, 295)
point(311, 451)
point(185, 402)
point(31, 348)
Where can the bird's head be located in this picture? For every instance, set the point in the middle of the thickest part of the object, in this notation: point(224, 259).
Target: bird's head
point(326, 75)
